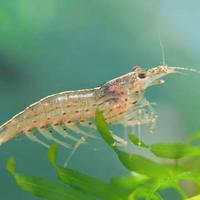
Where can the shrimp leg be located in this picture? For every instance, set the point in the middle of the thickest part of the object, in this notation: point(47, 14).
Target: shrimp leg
point(77, 145)
point(48, 135)
point(63, 132)
point(30, 135)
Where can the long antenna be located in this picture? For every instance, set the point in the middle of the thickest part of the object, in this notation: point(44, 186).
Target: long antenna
point(162, 49)
point(187, 69)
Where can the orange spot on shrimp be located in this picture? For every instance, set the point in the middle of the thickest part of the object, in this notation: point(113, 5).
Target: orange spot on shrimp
point(118, 106)
point(134, 102)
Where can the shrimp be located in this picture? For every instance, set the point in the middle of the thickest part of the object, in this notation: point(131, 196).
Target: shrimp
point(70, 113)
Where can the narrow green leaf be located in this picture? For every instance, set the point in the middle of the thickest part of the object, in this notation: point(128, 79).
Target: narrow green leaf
point(84, 182)
point(11, 165)
point(129, 183)
point(174, 150)
point(47, 189)
point(103, 129)
point(141, 165)
point(52, 153)
point(88, 184)
point(135, 140)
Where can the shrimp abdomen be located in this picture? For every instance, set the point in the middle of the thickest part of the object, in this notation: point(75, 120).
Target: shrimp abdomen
point(63, 107)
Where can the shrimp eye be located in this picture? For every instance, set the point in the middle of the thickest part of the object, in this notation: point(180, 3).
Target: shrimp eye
point(142, 75)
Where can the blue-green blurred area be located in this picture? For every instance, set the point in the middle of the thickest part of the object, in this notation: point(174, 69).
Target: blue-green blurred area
point(56, 45)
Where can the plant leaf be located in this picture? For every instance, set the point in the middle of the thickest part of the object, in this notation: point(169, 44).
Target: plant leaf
point(104, 130)
point(130, 182)
point(52, 154)
point(141, 165)
point(47, 189)
point(11, 165)
point(84, 182)
point(174, 150)
point(135, 140)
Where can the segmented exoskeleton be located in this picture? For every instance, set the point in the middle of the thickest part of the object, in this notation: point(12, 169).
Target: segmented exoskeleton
point(70, 113)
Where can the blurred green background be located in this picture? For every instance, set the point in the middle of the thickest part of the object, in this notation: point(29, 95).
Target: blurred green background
point(55, 45)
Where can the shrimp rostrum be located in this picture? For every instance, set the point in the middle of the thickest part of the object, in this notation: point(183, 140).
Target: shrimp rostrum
point(70, 114)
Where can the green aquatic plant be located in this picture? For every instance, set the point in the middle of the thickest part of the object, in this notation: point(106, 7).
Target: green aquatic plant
point(146, 180)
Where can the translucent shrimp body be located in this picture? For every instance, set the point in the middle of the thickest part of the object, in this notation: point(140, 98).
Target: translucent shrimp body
point(67, 113)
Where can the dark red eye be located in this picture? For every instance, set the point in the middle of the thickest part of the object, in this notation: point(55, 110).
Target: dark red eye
point(142, 75)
